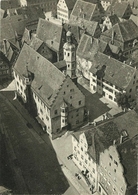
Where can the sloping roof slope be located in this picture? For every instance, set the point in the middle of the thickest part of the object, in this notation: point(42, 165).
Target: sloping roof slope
point(17, 22)
point(89, 46)
point(47, 78)
point(116, 72)
point(128, 153)
point(118, 8)
point(50, 33)
point(83, 9)
point(70, 4)
point(123, 31)
point(134, 19)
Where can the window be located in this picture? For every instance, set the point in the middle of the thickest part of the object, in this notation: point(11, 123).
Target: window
point(55, 111)
point(81, 149)
point(64, 92)
point(77, 121)
point(80, 102)
point(99, 189)
point(115, 163)
point(85, 161)
point(41, 111)
point(71, 90)
point(82, 157)
point(110, 157)
point(68, 65)
point(68, 54)
point(133, 82)
point(109, 164)
point(70, 97)
point(47, 118)
point(93, 170)
point(63, 120)
point(115, 170)
point(58, 130)
point(110, 97)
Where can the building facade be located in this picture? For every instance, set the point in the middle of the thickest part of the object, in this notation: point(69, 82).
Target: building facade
point(84, 158)
point(105, 81)
point(64, 8)
point(106, 155)
point(58, 103)
point(111, 173)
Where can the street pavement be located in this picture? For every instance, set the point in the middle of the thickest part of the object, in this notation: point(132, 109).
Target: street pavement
point(63, 146)
point(35, 164)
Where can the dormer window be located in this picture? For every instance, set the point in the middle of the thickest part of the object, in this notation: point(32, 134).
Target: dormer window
point(26, 80)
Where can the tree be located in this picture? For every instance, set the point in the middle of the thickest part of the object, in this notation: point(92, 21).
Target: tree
point(122, 100)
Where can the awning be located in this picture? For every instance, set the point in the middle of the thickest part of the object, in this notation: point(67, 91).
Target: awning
point(40, 121)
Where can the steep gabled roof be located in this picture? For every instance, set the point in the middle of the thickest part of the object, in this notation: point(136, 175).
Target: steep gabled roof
point(17, 22)
point(7, 31)
point(89, 46)
point(1, 13)
point(134, 19)
point(116, 72)
point(123, 31)
point(118, 8)
point(61, 65)
point(50, 33)
point(47, 78)
point(128, 154)
point(70, 4)
point(35, 43)
point(83, 9)
point(9, 4)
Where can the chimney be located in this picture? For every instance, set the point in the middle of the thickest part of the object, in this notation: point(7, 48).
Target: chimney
point(112, 38)
point(121, 139)
point(114, 142)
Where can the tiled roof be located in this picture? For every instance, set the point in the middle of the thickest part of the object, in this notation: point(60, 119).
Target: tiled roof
point(129, 122)
point(128, 153)
point(89, 46)
point(35, 43)
point(83, 9)
point(31, 13)
point(102, 136)
point(114, 48)
point(114, 19)
point(118, 8)
point(135, 12)
point(61, 64)
point(50, 33)
point(74, 29)
point(70, 4)
point(1, 13)
point(134, 19)
point(7, 31)
point(9, 4)
point(47, 78)
point(26, 36)
point(123, 31)
point(16, 21)
point(116, 72)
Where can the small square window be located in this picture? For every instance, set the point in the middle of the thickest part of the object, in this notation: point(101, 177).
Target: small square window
point(80, 102)
point(56, 112)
